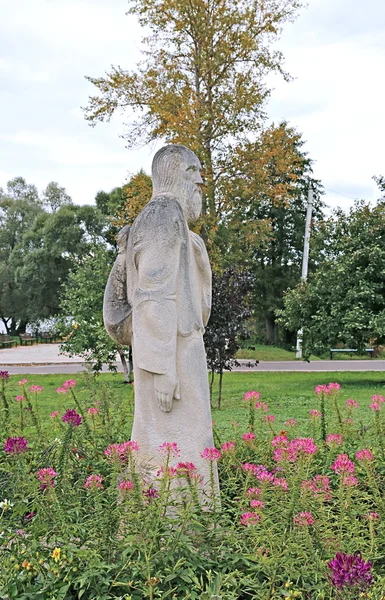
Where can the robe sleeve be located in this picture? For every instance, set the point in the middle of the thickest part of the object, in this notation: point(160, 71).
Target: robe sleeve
point(157, 244)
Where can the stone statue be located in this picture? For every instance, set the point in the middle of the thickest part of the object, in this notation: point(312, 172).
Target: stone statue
point(158, 300)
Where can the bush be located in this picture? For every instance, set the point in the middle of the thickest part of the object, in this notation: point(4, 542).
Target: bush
point(298, 517)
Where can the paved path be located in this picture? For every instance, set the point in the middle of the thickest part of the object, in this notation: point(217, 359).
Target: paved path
point(45, 359)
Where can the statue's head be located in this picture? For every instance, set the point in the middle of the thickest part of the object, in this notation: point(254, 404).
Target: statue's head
point(176, 171)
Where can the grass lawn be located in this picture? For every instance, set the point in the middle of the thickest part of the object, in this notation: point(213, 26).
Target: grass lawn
point(262, 352)
point(287, 394)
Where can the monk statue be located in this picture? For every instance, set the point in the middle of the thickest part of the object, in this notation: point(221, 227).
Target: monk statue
point(158, 300)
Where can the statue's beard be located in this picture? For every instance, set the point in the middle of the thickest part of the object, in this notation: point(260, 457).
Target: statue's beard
point(191, 197)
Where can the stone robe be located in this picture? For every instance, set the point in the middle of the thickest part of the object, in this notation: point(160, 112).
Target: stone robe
point(168, 285)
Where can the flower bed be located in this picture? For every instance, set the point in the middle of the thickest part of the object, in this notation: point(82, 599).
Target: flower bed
point(298, 517)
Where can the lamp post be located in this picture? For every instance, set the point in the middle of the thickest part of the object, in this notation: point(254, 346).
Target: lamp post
point(305, 259)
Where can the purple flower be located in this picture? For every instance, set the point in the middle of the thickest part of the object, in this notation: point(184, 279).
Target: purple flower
point(150, 493)
point(4, 375)
point(349, 570)
point(16, 445)
point(72, 417)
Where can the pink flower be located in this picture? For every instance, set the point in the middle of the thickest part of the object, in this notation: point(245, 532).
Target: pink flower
point(94, 482)
point(20, 398)
point(296, 448)
point(364, 455)
point(249, 518)
point(343, 465)
point(121, 451)
point(319, 487)
point(348, 421)
point(349, 481)
point(169, 449)
point(334, 439)
point(333, 387)
point(55, 414)
point(280, 441)
point(350, 403)
point(72, 417)
point(321, 389)
point(262, 406)
point(291, 422)
point(170, 472)
point(248, 437)
point(257, 504)
point(375, 406)
point(280, 482)
point(269, 418)
point(262, 474)
point(35, 388)
point(131, 446)
point(69, 384)
point(252, 395)
point(228, 447)
point(66, 386)
point(379, 399)
point(211, 454)
point(92, 410)
point(185, 469)
point(125, 486)
point(23, 382)
point(15, 445)
point(46, 477)
point(304, 519)
point(372, 516)
point(253, 492)
point(249, 467)
point(315, 414)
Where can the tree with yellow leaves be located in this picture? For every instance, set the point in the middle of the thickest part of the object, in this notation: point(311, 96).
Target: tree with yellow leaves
point(202, 82)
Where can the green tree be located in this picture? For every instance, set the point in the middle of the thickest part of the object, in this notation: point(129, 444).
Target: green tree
point(81, 313)
point(203, 80)
point(17, 214)
point(55, 196)
point(230, 309)
point(48, 250)
point(19, 189)
point(268, 188)
point(343, 300)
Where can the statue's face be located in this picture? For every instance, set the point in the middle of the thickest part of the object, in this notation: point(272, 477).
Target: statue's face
point(192, 184)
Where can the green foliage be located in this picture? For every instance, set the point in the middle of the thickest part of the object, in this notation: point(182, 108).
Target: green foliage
point(69, 541)
point(268, 189)
point(55, 196)
point(81, 306)
point(18, 212)
point(230, 309)
point(343, 301)
point(40, 241)
point(42, 259)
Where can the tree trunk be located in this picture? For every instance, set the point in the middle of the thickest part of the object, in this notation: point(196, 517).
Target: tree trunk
point(212, 375)
point(5, 323)
point(21, 327)
point(275, 334)
point(269, 320)
point(220, 390)
point(126, 366)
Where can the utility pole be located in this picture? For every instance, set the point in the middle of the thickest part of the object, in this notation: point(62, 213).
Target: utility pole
point(305, 258)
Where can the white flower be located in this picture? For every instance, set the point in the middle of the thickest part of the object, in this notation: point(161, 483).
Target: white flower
point(6, 504)
point(58, 441)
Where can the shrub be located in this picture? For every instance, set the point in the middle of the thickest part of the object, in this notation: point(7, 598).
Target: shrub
point(298, 517)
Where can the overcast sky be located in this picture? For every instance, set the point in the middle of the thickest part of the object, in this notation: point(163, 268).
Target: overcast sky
point(335, 51)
